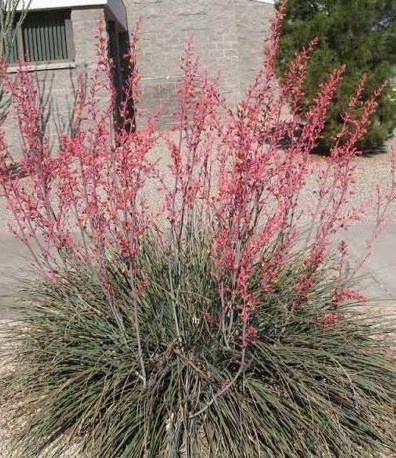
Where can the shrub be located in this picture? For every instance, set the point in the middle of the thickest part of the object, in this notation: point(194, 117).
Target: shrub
point(212, 323)
point(313, 382)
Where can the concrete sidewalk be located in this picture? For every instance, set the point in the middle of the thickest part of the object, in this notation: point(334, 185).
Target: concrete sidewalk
point(15, 266)
point(378, 274)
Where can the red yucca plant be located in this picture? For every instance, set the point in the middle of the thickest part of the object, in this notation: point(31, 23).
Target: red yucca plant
point(192, 304)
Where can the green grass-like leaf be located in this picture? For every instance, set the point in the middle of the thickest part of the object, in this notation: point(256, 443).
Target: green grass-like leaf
point(306, 390)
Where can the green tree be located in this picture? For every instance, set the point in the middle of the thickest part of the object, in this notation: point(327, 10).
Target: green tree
point(358, 33)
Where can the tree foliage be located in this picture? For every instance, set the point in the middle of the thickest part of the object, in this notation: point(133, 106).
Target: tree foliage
point(359, 33)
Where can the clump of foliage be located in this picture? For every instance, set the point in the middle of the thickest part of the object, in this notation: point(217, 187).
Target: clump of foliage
point(360, 33)
point(304, 381)
point(210, 322)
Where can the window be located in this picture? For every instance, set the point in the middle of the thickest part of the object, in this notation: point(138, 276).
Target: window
point(45, 36)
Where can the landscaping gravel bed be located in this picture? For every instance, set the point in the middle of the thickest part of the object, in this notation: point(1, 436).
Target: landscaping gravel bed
point(6, 427)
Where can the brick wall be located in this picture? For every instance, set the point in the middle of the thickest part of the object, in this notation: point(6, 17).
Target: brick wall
point(228, 38)
point(253, 25)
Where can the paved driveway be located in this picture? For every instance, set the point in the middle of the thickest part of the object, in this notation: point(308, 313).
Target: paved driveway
point(379, 271)
point(15, 265)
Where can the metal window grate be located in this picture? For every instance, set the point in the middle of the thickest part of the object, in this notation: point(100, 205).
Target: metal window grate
point(44, 37)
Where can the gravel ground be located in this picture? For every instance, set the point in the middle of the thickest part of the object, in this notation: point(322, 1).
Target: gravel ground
point(4, 431)
point(372, 171)
point(6, 428)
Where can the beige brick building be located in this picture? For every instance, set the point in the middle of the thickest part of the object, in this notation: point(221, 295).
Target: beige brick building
point(59, 38)
point(228, 37)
